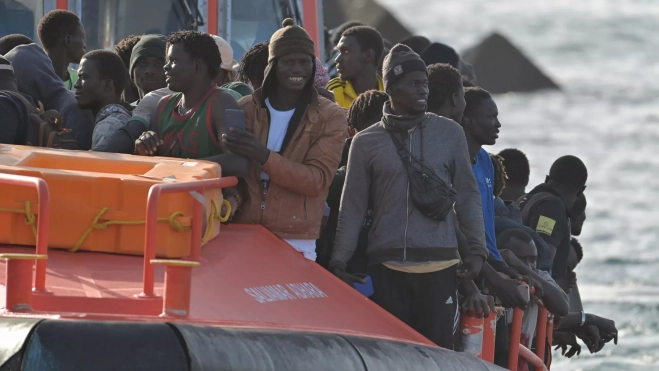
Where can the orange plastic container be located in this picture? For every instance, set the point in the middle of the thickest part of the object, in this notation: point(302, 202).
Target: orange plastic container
point(98, 200)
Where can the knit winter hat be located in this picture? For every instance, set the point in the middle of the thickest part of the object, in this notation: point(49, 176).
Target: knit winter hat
point(290, 39)
point(148, 46)
point(400, 61)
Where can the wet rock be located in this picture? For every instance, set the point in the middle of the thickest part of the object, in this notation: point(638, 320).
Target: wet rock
point(501, 67)
point(336, 12)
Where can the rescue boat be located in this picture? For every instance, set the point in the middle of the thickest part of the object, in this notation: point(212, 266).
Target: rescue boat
point(242, 300)
point(117, 262)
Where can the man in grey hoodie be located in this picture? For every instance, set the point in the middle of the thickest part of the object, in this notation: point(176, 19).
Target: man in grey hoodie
point(413, 259)
point(37, 78)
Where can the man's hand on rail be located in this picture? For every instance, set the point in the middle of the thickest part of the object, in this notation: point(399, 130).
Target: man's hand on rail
point(475, 303)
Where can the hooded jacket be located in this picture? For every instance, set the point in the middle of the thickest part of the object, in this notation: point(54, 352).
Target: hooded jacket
point(109, 120)
point(300, 175)
point(399, 231)
point(507, 216)
point(36, 77)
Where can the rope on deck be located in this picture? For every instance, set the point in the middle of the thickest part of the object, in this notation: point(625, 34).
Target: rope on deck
point(30, 219)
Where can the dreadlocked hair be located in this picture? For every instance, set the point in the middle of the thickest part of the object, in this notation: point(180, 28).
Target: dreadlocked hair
point(125, 48)
point(499, 174)
point(253, 63)
point(200, 46)
point(366, 110)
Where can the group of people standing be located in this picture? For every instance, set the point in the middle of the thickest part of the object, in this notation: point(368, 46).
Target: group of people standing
point(379, 170)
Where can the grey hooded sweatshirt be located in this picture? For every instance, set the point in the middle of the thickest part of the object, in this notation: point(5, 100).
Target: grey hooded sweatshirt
point(36, 77)
point(377, 177)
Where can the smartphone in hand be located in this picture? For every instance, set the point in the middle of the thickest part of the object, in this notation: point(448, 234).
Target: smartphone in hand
point(233, 118)
point(524, 290)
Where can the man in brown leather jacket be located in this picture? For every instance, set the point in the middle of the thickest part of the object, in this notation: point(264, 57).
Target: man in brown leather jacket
point(294, 141)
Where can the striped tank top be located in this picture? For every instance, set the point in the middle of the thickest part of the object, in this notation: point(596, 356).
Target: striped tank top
point(191, 135)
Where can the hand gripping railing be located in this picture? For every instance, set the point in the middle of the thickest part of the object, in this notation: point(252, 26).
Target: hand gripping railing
point(478, 337)
point(197, 221)
point(43, 219)
point(544, 331)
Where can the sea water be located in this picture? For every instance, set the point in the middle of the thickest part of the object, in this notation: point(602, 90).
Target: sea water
point(605, 56)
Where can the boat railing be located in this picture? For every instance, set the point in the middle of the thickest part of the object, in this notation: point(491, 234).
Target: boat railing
point(178, 273)
point(543, 338)
point(480, 336)
point(152, 202)
point(22, 291)
point(19, 266)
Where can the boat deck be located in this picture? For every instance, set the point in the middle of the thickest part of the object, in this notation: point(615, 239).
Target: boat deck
point(248, 277)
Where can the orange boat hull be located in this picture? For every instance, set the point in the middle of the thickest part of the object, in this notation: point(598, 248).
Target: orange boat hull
point(256, 304)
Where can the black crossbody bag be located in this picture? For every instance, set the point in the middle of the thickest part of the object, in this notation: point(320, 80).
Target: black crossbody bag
point(430, 194)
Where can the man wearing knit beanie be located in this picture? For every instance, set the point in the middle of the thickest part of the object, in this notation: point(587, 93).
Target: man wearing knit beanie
point(412, 256)
point(294, 140)
point(400, 62)
point(146, 65)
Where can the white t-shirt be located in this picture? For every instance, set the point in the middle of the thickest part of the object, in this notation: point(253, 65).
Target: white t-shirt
point(278, 125)
point(279, 121)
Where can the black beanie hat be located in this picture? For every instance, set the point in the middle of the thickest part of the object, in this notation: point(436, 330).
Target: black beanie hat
point(400, 61)
point(440, 53)
point(148, 46)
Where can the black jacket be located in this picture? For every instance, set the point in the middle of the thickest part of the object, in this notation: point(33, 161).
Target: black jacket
point(544, 211)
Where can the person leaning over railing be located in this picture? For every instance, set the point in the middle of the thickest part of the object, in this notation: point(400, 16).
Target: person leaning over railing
point(594, 331)
point(519, 252)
